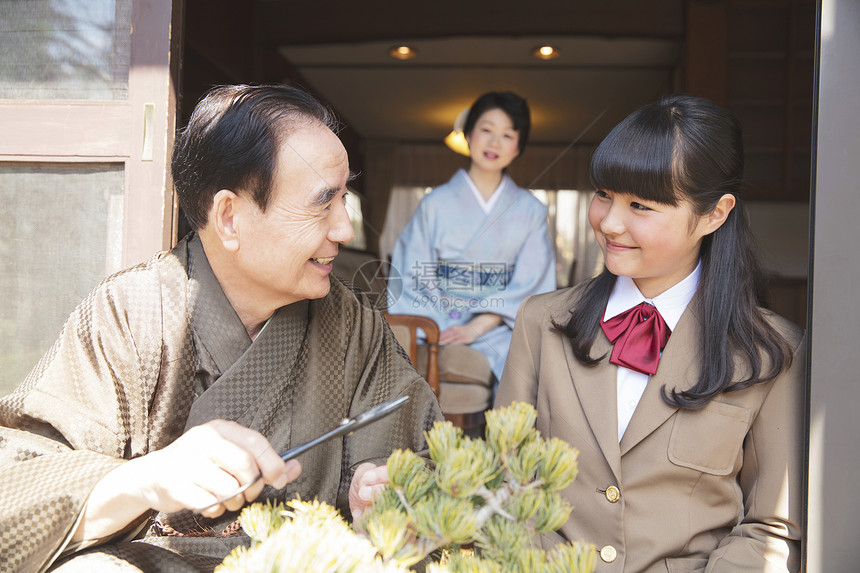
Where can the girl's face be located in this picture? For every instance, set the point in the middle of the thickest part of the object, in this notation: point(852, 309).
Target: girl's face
point(493, 142)
point(656, 245)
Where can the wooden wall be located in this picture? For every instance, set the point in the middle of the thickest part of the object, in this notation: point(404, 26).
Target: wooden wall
point(756, 58)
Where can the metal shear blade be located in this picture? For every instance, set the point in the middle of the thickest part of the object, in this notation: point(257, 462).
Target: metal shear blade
point(346, 427)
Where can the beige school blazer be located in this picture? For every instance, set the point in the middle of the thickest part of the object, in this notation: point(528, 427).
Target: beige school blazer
point(716, 489)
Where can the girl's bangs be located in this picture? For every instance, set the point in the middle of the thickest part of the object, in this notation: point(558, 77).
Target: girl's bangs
point(635, 161)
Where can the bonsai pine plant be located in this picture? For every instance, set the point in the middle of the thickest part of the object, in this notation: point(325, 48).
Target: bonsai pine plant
point(478, 503)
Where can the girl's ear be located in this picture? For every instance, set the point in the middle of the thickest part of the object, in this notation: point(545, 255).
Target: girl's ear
point(715, 219)
point(223, 215)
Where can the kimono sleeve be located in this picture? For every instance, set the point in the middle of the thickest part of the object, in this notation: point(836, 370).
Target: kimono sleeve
point(386, 373)
point(65, 427)
point(534, 268)
point(414, 260)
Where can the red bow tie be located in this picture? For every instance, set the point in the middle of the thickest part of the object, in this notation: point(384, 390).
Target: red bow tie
point(639, 334)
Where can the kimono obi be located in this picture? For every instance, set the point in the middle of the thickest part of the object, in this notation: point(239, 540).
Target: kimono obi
point(468, 277)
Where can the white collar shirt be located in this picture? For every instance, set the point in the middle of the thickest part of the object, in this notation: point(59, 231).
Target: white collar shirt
point(671, 305)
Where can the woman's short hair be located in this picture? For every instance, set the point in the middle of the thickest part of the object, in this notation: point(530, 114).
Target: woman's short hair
point(510, 103)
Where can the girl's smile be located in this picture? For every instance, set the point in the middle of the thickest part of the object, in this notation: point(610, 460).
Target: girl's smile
point(613, 246)
point(656, 245)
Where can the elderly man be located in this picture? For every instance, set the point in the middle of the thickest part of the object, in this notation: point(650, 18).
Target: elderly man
point(178, 380)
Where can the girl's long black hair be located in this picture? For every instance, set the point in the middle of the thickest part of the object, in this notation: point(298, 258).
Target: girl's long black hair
point(688, 149)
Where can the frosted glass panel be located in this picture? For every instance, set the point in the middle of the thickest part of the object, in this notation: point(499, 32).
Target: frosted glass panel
point(61, 234)
point(64, 49)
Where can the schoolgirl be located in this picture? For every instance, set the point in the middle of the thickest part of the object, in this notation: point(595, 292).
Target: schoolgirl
point(682, 393)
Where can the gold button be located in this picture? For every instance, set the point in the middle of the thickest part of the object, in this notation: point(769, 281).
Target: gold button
point(608, 554)
point(612, 494)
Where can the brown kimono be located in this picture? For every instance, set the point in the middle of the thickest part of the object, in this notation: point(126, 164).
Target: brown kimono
point(157, 349)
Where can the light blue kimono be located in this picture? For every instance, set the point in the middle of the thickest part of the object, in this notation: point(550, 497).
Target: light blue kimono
point(456, 261)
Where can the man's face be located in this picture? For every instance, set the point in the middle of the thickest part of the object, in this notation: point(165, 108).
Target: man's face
point(286, 252)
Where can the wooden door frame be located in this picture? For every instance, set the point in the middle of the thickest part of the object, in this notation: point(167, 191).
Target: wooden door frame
point(112, 131)
point(833, 506)
point(151, 211)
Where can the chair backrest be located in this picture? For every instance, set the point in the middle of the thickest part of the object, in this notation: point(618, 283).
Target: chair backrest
point(405, 328)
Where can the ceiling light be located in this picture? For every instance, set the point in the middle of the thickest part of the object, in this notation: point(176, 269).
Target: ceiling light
point(546, 53)
point(402, 52)
point(456, 140)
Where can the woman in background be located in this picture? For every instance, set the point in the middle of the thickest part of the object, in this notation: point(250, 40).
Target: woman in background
point(683, 395)
point(477, 245)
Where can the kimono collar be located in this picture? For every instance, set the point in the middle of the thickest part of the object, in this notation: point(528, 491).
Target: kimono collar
point(486, 205)
point(213, 318)
point(671, 303)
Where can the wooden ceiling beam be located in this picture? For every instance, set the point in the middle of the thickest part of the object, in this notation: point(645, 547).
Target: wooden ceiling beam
point(285, 22)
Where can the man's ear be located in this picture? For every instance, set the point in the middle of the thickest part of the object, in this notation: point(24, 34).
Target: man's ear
point(224, 220)
point(715, 219)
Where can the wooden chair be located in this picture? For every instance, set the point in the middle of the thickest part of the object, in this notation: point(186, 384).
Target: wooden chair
point(405, 328)
point(460, 376)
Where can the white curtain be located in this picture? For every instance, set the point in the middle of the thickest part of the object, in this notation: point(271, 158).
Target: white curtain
point(402, 203)
point(576, 251)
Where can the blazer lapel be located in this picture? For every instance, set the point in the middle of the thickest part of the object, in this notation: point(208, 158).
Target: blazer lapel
point(678, 369)
point(596, 389)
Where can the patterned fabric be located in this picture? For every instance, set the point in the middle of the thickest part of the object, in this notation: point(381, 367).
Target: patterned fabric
point(153, 351)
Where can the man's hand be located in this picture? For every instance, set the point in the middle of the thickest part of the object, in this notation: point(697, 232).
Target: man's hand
point(367, 481)
point(203, 465)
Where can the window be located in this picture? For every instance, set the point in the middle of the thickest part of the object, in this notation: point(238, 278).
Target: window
point(88, 112)
point(353, 207)
point(65, 49)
